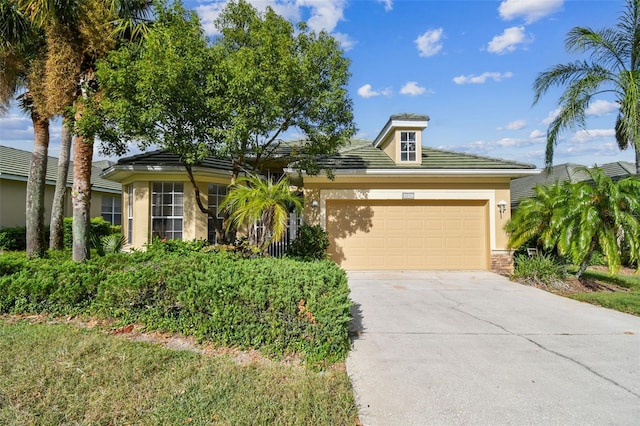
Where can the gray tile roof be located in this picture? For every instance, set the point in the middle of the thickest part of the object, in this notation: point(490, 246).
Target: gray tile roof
point(361, 154)
point(14, 165)
point(168, 159)
point(522, 188)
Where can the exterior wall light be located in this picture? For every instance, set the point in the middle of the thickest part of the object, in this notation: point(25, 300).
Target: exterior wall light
point(314, 204)
point(502, 207)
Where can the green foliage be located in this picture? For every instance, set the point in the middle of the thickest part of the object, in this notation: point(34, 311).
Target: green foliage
point(576, 219)
point(234, 97)
point(253, 199)
point(310, 244)
point(612, 67)
point(14, 239)
point(98, 228)
point(280, 306)
point(539, 269)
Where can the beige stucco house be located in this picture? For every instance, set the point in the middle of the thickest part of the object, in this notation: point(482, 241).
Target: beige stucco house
point(106, 195)
point(393, 203)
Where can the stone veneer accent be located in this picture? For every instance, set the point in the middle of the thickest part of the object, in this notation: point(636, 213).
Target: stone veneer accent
point(502, 262)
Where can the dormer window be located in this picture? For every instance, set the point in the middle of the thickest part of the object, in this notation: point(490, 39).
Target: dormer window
point(408, 148)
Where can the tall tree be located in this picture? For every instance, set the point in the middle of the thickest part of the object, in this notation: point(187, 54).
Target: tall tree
point(252, 200)
point(236, 98)
point(579, 218)
point(79, 32)
point(22, 55)
point(56, 233)
point(613, 68)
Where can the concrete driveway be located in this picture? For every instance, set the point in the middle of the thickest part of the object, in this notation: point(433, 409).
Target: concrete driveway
point(473, 348)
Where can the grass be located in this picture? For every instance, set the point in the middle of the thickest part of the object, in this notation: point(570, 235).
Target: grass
point(63, 374)
point(623, 301)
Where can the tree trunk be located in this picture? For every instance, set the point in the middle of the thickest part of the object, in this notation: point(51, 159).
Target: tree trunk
point(35, 187)
point(587, 258)
point(81, 196)
point(637, 159)
point(56, 240)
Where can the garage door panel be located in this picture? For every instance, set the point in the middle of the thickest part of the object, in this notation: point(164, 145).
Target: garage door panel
point(409, 234)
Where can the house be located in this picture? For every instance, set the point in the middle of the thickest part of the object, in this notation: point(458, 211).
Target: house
point(106, 197)
point(523, 187)
point(391, 204)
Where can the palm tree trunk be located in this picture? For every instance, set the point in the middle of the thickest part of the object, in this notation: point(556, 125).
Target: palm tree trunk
point(56, 240)
point(587, 258)
point(637, 159)
point(35, 187)
point(81, 196)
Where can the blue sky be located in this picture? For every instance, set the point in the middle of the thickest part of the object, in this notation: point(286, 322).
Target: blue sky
point(469, 65)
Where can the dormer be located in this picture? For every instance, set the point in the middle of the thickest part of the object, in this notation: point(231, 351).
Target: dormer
point(401, 138)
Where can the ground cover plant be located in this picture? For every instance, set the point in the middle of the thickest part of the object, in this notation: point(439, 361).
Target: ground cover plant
point(597, 285)
point(278, 306)
point(64, 374)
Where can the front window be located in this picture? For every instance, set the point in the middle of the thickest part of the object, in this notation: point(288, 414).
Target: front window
point(408, 149)
point(111, 209)
point(217, 193)
point(130, 214)
point(167, 210)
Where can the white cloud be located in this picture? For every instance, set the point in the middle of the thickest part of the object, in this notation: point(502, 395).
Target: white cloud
point(514, 125)
point(346, 42)
point(412, 89)
point(601, 107)
point(508, 41)
point(552, 116)
point(430, 43)
point(388, 4)
point(323, 14)
point(482, 78)
point(583, 136)
point(367, 91)
point(530, 10)
point(537, 134)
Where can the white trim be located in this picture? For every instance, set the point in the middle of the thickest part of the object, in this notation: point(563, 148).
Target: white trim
point(417, 124)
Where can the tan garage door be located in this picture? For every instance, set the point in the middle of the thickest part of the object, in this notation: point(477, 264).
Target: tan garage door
point(408, 234)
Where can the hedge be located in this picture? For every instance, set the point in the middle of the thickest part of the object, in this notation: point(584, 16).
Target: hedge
point(279, 306)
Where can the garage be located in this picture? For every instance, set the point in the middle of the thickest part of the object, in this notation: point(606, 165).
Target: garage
point(408, 234)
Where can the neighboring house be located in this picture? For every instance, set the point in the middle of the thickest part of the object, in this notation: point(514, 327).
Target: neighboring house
point(106, 196)
point(392, 203)
point(523, 187)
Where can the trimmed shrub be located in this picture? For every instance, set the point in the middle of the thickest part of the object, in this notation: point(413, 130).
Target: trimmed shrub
point(279, 306)
point(539, 269)
point(311, 243)
point(14, 239)
point(98, 228)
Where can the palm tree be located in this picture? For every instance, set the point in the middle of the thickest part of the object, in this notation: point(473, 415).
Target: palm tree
point(56, 237)
point(534, 218)
point(22, 53)
point(613, 68)
point(253, 200)
point(578, 218)
point(79, 32)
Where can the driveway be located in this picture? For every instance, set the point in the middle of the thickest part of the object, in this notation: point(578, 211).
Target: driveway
point(473, 348)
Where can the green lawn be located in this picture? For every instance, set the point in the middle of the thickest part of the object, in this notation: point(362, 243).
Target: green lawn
point(624, 301)
point(64, 374)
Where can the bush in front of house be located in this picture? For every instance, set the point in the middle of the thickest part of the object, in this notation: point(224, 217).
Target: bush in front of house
point(539, 269)
point(279, 306)
point(14, 239)
point(310, 244)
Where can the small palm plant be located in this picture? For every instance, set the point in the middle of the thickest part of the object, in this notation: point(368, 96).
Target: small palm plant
point(252, 199)
point(578, 218)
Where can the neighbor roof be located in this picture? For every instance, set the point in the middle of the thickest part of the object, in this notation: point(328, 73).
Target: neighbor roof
point(15, 163)
point(361, 154)
point(523, 187)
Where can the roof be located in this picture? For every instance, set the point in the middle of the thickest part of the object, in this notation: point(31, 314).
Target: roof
point(163, 161)
point(361, 155)
point(524, 187)
point(15, 163)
